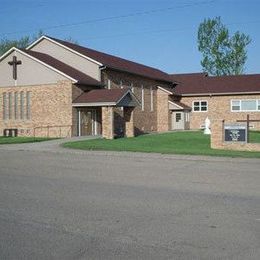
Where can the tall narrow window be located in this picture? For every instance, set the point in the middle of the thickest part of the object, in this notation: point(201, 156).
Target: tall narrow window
point(22, 105)
point(16, 105)
point(121, 86)
point(10, 105)
point(28, 105)
point(132, 87)
point(142, 89)
point(5, 112)
point(151, 93)
point(109, 84)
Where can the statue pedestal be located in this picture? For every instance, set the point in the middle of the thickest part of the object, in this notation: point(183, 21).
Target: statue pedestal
point(207, 131)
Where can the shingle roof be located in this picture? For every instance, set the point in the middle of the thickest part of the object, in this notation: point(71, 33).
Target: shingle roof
point(117, 63)
point(101, 95)
point(66, 69)
point(200, 83)
point(182, 105)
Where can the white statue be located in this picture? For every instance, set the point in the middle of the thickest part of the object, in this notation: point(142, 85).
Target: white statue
point(207, 125)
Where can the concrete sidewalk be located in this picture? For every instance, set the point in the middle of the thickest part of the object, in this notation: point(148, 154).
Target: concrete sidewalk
point(55, 146)
point(51, 146)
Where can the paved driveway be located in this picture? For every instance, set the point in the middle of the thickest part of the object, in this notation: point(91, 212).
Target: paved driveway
point(100, 205)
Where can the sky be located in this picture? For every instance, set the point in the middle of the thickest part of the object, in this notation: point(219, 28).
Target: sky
point(157, 33)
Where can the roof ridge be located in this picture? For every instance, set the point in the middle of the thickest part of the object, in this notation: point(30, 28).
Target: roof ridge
point(115, 62)
point(101, 52)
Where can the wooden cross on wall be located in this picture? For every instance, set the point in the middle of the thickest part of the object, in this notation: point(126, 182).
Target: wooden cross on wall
point(14, 63)
point(248, 120)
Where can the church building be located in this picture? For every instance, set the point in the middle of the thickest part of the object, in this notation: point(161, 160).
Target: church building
point(55, 88)
point(59, 89)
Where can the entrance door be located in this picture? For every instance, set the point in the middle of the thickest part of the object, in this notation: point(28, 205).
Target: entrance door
point(177, 120)
point(87, 122)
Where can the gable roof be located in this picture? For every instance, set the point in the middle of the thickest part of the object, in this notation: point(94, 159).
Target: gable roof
point(80, 77)
point(113, 62)
point(202, 84)
point(103, 97)
point(180, 105)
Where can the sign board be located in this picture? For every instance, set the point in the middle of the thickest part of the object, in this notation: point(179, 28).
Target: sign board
point(235, 133)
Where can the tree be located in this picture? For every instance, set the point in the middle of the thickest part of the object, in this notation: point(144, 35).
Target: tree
point(23, 42)
point(222, 54)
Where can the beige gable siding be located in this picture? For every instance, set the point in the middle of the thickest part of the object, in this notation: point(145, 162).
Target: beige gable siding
point(30, 72)
point(173, 106)
point(82, 64)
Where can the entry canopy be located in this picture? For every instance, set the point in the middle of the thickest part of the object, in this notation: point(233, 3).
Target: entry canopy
point(106, 97)
point(176, 105)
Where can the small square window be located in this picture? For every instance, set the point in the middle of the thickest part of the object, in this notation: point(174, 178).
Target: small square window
point(200, 106)
point(235, 104)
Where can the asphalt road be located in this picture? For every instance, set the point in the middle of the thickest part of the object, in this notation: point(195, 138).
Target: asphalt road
point(83, 205)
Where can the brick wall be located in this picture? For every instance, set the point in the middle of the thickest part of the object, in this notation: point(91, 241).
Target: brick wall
point(217, 138)
point(219, 107)
point(50, 106)
point(163, 115)
point(145, 120)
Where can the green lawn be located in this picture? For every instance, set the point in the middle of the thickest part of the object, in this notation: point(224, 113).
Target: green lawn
point(19, 140)
point(254, 136)
point(194, 143)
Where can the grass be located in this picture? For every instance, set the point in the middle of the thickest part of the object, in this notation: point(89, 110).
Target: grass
point(193, 143)
point(254, 136)
point(20, 140)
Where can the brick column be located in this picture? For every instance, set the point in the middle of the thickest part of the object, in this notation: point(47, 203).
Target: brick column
point(129, 121)
point(108, 122)
point(163, 115)
point(216, 138)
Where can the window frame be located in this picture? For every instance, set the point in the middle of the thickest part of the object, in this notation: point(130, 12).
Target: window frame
point(257, 107)
point(200, 111)
point(152, 99)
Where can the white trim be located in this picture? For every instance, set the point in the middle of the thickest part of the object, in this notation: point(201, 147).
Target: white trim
point(65, 47)
point(220, 94)
point(108, 84)
point(200, 101)
point(165, 90)
point(132, 95)
point(43, 63)
point(94, 104)
point(175, 104)
point(7, 53)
